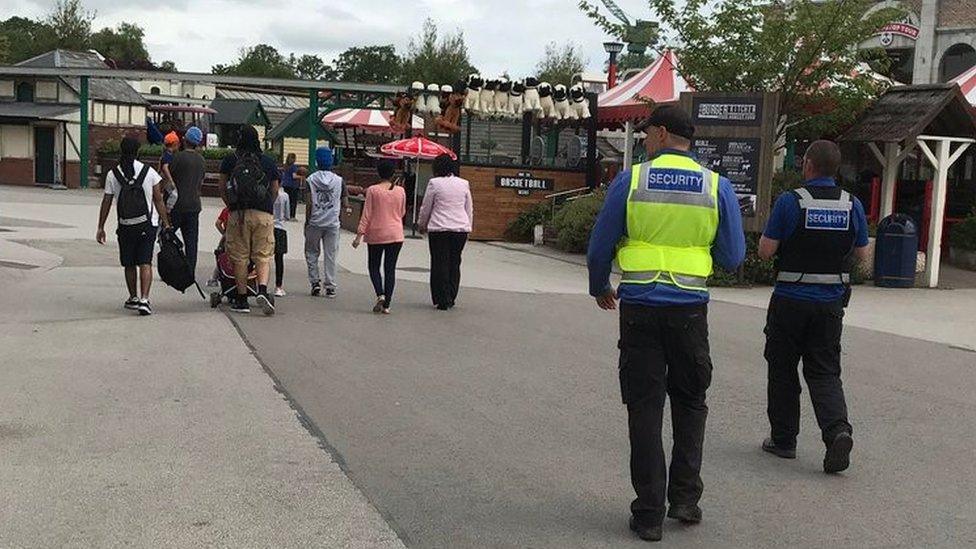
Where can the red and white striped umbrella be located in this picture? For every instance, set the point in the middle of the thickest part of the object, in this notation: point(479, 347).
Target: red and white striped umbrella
point(370, 120)
point(416, 147)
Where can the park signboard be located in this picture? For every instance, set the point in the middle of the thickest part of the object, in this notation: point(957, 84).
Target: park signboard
point(735, 136)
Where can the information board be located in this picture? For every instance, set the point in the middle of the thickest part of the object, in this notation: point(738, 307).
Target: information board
point(738, 160)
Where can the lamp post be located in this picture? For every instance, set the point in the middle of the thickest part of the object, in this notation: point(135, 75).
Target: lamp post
point(613, 48)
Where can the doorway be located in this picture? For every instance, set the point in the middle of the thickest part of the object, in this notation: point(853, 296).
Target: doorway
point(44, 155)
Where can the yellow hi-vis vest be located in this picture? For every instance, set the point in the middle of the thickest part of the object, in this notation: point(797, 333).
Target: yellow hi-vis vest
point(672, 218)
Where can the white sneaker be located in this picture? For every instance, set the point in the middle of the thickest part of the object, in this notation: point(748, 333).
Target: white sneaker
point(280, 292)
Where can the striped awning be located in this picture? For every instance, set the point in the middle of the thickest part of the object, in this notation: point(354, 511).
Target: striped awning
point(967, 83)
point(633, 99)
point(370, 120)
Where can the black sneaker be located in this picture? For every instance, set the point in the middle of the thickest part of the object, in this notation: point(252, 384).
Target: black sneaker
point(330, 293)
point(144, 308)
point(266, 303)
point(239, 305)
point(838, 456)
point(646, 533)
point(786, 453)
point(686, 514)
point(316, 289)
point(132, 303)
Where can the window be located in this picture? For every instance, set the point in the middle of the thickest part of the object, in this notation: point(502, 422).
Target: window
point(25, 92)
point(154, 90)
point(957, 60)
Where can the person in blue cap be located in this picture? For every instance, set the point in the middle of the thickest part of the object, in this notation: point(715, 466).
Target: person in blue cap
point(188, 170)
point(325, 197)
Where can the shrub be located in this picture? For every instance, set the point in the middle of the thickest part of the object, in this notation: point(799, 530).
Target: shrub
point(963, 234)
point(111, 148)
point(522, 228)
point(574, 221)
point(755, 271)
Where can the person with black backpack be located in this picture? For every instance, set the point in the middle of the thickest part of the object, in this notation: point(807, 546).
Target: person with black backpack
point(136, 188)
point(249, 186)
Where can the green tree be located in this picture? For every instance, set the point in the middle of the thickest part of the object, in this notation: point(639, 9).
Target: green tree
point(369, 64)
point(311, 67)
point(167, 66)
point(628, 61)
point(433, 59)
point(123, 45)
point(4, 49)
point(26, 38)
point(71, 24)
point(809, 52)
point(560, 64)
point(261, 60)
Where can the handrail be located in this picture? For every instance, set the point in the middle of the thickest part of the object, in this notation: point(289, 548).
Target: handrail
point(566, 193)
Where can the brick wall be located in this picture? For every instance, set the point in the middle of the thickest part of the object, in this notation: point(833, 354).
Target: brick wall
point(495, 208)
point(71, 171)
point(98, 135)
point(957, 13)
point(17, 171)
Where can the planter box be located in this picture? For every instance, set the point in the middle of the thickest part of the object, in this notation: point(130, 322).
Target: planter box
point(965, 259)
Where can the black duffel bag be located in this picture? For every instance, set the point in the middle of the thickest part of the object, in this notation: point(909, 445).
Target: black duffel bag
point(171, 263)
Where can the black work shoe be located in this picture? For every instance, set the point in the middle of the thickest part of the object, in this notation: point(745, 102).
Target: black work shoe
point(686, 514)
point(646, 533)
point(239, 305)
point(316, 289)
point(838, 456)
point(330, 293)
point(132, 303)
point(266, 303)
point(144, 308)
point(786, 453)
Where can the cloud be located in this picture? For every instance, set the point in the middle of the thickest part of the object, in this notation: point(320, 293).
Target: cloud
point(502, 35)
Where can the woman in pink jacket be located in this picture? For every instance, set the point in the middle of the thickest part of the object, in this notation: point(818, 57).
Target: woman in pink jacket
point(381, 226)
point(447, 215)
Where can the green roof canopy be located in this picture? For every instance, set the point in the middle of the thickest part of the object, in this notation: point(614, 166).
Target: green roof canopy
point(296, 125)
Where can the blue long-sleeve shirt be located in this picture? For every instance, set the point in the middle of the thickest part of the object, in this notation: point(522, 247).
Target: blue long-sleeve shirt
point(728, 249)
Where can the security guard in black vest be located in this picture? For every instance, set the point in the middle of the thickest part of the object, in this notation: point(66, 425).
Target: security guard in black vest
point(816, 233)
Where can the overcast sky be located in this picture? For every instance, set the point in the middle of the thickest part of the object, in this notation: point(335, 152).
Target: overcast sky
point(502, 35)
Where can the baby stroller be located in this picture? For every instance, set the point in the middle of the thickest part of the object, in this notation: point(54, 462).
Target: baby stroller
point(225, 275)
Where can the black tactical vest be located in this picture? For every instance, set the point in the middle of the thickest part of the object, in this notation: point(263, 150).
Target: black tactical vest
point(820, 250)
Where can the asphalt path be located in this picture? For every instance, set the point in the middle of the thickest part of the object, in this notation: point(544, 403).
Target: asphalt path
point(499, 424)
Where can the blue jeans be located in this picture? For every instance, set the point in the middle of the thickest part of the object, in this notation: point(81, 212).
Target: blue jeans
point(188, 223)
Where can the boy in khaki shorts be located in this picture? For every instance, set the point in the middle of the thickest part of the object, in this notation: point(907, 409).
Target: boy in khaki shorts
point(250, 227)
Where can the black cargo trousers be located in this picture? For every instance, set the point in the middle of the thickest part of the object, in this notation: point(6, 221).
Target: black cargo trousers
point(809, 331)
point(664, 351)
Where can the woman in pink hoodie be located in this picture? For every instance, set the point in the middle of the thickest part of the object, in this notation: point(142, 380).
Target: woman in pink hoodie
point(381, 226)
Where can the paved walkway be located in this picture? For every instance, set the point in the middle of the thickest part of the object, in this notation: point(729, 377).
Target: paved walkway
point(496, 424)
point(145, 432)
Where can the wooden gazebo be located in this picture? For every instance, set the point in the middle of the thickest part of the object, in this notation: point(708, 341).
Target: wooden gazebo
point(904, 118)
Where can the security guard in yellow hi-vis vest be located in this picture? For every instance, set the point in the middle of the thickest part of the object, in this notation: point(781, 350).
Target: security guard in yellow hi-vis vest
point(665, 221)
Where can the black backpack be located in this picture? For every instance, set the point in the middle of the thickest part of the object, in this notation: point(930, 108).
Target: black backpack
point(132, 207)
point(171, 262)
point(248, 186)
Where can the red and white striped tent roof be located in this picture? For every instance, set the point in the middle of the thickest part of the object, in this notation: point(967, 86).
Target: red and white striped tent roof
point(967, 83)
point(370, 120)
point(631, 100)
